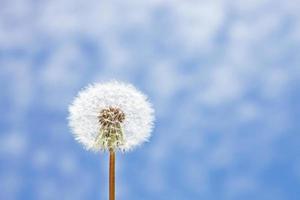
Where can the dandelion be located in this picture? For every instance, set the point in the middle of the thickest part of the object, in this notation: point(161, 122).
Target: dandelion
point(111, 117)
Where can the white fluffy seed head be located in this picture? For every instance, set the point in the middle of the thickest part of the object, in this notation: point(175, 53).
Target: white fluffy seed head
point(85, 115)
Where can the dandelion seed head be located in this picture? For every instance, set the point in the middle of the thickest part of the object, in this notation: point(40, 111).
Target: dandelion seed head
point(111, 115)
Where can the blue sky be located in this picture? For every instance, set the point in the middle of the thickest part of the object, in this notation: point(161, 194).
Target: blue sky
point(223, 77)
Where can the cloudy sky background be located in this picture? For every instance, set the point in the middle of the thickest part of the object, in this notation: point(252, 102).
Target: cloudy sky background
point(223, 76)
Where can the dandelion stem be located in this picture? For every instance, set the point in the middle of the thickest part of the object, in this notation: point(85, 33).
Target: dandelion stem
point(112, 158)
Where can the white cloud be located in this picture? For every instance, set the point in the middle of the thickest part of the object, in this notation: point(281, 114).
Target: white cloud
point(196, 23)
point(68, 164)
point(224, 85)
point(13, 144)
point(248, 111)
point(41, 159)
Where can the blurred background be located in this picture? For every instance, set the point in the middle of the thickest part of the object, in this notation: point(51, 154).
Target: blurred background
point(223, 76)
